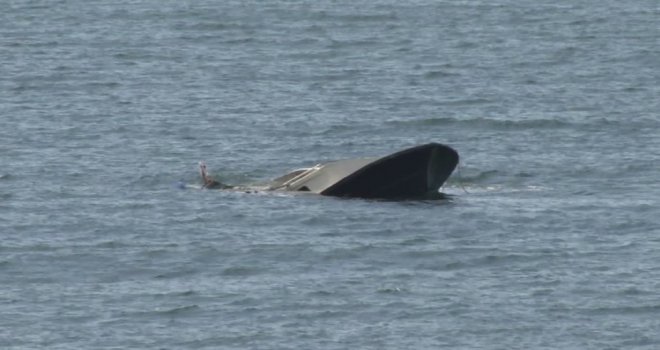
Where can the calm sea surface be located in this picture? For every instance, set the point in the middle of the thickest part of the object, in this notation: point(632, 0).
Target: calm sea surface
point(550, 240)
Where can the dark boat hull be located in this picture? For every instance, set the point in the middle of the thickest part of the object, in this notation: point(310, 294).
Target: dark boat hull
point(415, 172)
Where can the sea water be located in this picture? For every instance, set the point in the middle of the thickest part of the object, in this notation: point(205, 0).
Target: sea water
point(550, 238)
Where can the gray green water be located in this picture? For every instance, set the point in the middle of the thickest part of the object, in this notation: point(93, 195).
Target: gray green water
point(550, 241)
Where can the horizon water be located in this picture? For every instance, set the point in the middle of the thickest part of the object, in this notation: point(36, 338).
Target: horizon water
point(550, 238)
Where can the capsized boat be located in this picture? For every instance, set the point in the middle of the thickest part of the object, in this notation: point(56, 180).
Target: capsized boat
point(416, 172)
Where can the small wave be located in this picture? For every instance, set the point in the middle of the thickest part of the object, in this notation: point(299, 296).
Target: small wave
point(320, 293)
point(485, 122)
point(493, 181)
point(356, 17)
point(210, 26)
point(168, 295)
point(475, 188)
point(444, 266)
point(467, 102)
point(186, 293)
point(491, 260)
point(241, 271)
point(479, 177)
point(486, 261)
point(336, 129)
point(371, 17)
point(175, 274)
point(347, 253)
point(111, 245)
point(439, 74)
point(415, 241)
point(340, 44)
point(179, 310)
point(316, 315)
point(635, 291)
point(39, 247)
point(390, 290)
point(624, 310)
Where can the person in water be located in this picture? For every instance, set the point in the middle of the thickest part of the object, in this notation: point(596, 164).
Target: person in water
point(208, 181)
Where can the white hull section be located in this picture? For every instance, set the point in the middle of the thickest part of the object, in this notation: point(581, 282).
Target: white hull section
point(319, 177)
